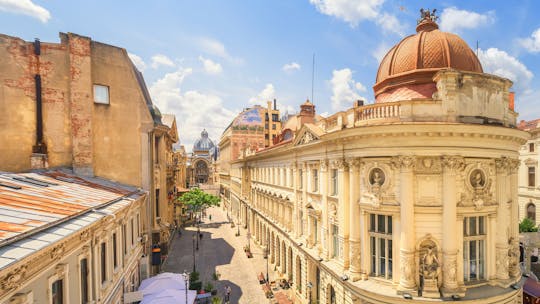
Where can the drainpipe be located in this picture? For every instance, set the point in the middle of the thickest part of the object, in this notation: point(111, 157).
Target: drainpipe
point(40, 146)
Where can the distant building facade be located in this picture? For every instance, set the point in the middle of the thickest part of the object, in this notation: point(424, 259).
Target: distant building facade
point(201, 161)
point(413, 197)
point(82, 105)
point(529, 183)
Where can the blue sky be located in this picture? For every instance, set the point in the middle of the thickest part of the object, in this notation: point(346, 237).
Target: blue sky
point(205, 61)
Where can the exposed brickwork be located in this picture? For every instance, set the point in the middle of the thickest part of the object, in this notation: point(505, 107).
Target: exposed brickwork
point(407, 92)
point(81, 103)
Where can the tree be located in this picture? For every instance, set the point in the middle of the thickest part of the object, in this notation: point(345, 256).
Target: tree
point(527, 225)
point(198, 200)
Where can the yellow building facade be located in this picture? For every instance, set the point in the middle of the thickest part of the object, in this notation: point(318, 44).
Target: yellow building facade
point(413, 197)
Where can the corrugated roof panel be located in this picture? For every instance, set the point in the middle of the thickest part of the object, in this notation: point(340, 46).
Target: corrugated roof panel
point(14, 252)
point(5, 261)
point(32, 244)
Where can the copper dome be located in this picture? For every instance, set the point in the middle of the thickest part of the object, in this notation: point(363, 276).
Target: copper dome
point(416, 58)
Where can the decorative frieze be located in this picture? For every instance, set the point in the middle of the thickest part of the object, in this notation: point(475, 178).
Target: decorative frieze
point(453, 163)
point(403, 162)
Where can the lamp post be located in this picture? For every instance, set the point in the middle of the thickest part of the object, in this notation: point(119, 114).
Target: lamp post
point(186, 276)
point(267, 257)
point(194, 253)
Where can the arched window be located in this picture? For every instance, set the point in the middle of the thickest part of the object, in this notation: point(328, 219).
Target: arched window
point(531, 212)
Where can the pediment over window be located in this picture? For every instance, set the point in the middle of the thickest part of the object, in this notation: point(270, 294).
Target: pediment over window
point(530, 162)
point(307, 134)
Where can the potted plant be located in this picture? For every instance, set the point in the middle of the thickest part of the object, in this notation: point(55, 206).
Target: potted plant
point(208, 287)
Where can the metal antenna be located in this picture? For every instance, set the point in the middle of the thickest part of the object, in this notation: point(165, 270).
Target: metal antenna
point(312, 77)
point(476, 48)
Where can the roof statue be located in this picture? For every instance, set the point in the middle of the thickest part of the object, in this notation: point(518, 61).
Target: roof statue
point(427, 15)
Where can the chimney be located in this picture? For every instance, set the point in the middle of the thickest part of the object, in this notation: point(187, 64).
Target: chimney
point(81, 103)
point(275, 104)
point(511, 97)
point(358, 103)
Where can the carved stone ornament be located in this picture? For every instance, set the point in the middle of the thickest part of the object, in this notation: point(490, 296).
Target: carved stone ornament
point(14, 278)
point(84, 235)
point(332, 212)
point(479, 193)
point(324, 165)
point(353, 163)
point(340, 164)
point(406, 266)
point(376, 177)
point(513, 258)
point(430, 269)
point(456, 163)
point(355, 255)
point(58, 251)
point(370, 199)
point(403, 162)
point(450, 269)
point(307, 138)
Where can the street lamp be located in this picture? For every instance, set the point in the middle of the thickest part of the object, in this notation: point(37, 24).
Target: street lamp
point(267, 251)
point(186, 276)
point(193, 237)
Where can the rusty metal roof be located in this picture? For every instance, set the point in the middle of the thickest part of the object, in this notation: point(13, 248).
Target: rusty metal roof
point(37, 209)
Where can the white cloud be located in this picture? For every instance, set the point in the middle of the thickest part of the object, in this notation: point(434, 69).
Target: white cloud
point(211, 67)
point(291, 67)
point(25, 7)
point(161, 60)
point(194, 110)
point(531, 44)
point(137, 61)
point(355, 11)
point(214, 47)
point(267, 94)
point(345, 90)
point(454, 19)
point(495, 61)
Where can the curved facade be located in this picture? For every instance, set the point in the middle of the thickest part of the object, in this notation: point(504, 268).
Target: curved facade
point(411, 198)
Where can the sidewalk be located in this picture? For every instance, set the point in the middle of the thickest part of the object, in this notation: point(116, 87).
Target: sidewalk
point(222, 252)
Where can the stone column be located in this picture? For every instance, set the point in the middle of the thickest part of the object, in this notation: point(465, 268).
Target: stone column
point(354, 218)
point(407, 264)
point(295, 200)
point(501, 233)
point(305, 185)
point(513, 251)
point(324, 225)
point(343, 212)
point(451, 165)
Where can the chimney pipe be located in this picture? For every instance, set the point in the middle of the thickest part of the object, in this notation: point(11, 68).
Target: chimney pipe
point(275, 105)
point(40, 145)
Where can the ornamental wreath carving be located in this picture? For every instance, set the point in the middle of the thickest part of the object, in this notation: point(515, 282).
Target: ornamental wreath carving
point(477, 191)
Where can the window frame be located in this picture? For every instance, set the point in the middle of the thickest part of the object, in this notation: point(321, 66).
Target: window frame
point(60, 273)
point(531, 147)
point(108, 91)
point(377, 237)
point(531, 176)
point(479, 240)
point(334, 182)
point(315, 180)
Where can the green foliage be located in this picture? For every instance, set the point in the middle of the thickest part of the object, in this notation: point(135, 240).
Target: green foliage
point(527, 225)
point(216, 300)
point(215, 276)
point(198, 200)
point(208, 287)
point(194, 276)
point(195, 285)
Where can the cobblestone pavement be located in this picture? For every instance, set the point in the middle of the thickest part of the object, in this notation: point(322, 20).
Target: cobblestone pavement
point(222, 252)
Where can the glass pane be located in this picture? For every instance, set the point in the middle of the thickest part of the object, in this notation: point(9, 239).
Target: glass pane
point(380, 223)
point(465, 227)
point(472, 261)
point(481, 225)
point(472, 226)
point(372, 222)
point(389, 231)
point(465, 260)
point(101, 94)
point(373, 254)
point(481, 264)
point(389, 259)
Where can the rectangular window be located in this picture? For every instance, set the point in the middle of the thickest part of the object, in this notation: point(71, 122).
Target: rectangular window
point(315, 180)
point(103, 262)
point(57, 292)
point(315, 231)
point(101, 94)
point(138, 225)
point(532, 176)
point(335, 241)
point(380, 240)
point(474, 240)
point(115, 252)
point(84, 281)
point(132, 233)
point(273, 126)
point(531, 147)
point(334, 180)
point(301, 179)
point(275, 117)
point(124, 238)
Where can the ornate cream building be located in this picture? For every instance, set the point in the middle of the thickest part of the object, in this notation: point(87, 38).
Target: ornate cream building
point(414, 196)
point(529, 185)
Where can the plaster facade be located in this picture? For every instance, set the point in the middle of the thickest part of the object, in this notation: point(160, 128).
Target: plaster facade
point(529, 190)
point(415, 198)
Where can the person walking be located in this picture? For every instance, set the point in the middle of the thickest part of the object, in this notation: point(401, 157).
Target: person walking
point(227, 294)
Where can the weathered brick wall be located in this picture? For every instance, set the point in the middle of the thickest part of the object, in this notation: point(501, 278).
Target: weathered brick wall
point(81, 103)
